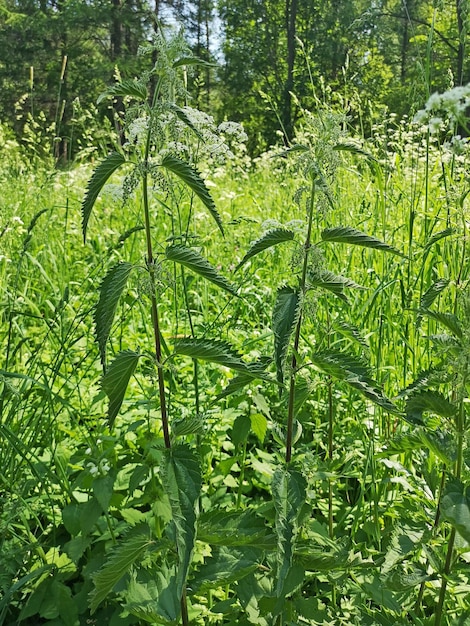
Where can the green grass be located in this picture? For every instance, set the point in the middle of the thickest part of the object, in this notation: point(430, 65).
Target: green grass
point(78, 495)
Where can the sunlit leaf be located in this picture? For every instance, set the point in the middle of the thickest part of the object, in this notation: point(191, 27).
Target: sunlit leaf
point(268, 240)
point(449, 320)
point(226, 565)
point(194, 261)
point(100, 176)
point(347, 234)
point(111, 289)
point(324, 279)
point(455, 507)
point(428, 401)
point(116, 379)
point(194, 181)
point(132, 87)
point(285, 315)
point(120, 560)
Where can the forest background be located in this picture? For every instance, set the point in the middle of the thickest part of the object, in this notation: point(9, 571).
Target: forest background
point(366, 56)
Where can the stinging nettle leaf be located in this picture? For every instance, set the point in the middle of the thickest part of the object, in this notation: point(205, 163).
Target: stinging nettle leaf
point(346, 234)
point(131, 87)
point(289, 490)
point(119, 562)
point(116, 379)
point(102, 173)
point(331, 282)
point(449, 320)
point(219, 352)
point(194, 261)
point(437, 237)
point(455, 507)
point(194, 181)
point(183, 481)
point(285, 315)
point(433, 292)
point(111, 289)
point(431, 402)
point(269, 239)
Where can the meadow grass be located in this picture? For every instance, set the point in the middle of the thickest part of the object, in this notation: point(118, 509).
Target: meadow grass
point(371, 548)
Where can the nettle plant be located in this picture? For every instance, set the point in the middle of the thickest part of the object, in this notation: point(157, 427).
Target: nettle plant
point(164, 143)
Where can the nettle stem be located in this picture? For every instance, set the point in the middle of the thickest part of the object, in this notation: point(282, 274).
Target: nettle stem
point(298, 327)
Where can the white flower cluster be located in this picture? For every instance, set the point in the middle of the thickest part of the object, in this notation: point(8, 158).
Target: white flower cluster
point(444, 108)
point(137, 131)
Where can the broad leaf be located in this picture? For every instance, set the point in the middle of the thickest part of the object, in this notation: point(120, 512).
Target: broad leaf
point(116, 379)
point(354, 372)
point(193, 260)
point(331, 282)
point(194, 181)
point(289, 492)
point(428, 401)
point(187, 426)
point(433, 292)
point(225, 566)
point(102, 173)
point(218, 352)
point(182, 480)
point(132, 87)
point(449, 320)
point(111, 289)
point(154, 601)
point(269, 239)
point(346, 234)
point(285, 315)
point(122, 557)
point(455, 507)
point(234, 528)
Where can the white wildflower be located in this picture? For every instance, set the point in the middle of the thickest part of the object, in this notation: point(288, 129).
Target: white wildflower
point(435, 125)
point(137, 130)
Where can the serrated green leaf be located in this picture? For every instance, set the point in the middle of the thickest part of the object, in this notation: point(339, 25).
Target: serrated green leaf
point(285, 315)
point(182, 480)
point(455, 507)
point(242, 379)
point(347, 234)
point(234, 528)
point(187, 426)
point(102, 173)
point(268, 240)
point(449, 320)
point(194, 181)
point(225, 566)
point(354, 372)
point(331, 282)
point(259, 425)
point(218, 352)
point(120, 560)
point(111, 289)
point(289, 490)
point(194, 261)
point(193, 61)
point(433, 292)
point(154, 601)
point(103, 487)
point(116, 379)
point(437, 237)
point(428, 401)
point(443, 445)
point(131, 87)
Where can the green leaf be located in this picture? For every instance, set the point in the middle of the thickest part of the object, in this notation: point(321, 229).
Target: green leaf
point(102, 173)
point(234, 528)
point(103, 487)
point(269, 239)
point(192, 61)
point(354, 372)
point(155, 600)
point(449, 320)
point(194, 181)
point(121, 558)
point(455, 507)
point(132, 87)
point(346, 234)
point(218, 352)
point(331, 282)
point(111, 289)
point(187, 426)
point(182, 480)
point(259, 425)
point(116, 379)
point(225, 566)
point(433, 292)
point(289, 490)
point(285, 315)
point(193, 260)
point(437, 237)
point(430, 402)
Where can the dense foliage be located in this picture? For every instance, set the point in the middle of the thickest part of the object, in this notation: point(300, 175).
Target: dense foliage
point(234, 390)
point(55, 56)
